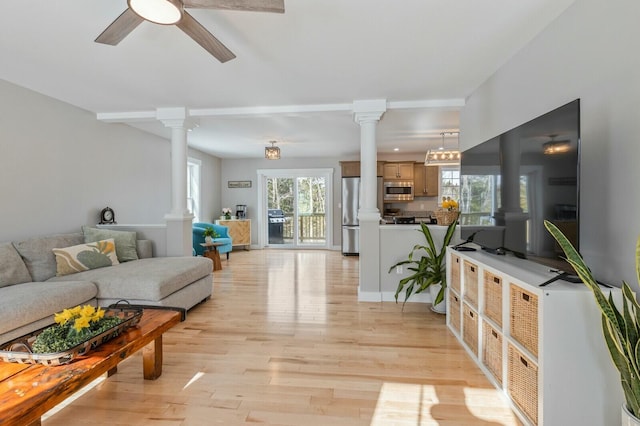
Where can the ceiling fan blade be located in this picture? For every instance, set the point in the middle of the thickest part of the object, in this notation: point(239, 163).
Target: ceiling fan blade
point(275, 6)
point(204, 38)
point(120, 28)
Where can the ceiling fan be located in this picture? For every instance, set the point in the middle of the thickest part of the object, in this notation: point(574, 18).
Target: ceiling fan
point(171, 12)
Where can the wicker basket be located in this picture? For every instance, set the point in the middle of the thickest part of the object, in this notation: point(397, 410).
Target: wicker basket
point(455, 273)
point(493, 297)
point(19, 350)
point(454, 309)
point(446, 217)
point(524, 318)
point(492, 350)
point(470, 328)
point(471, 283)
point(522, 376)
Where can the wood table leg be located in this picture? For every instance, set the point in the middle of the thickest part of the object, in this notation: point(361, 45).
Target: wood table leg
point(152, 359)
point(217, 263)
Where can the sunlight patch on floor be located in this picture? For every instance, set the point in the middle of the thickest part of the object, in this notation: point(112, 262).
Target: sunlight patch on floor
point(194, 379)
point(418, 404)
point(404, 403)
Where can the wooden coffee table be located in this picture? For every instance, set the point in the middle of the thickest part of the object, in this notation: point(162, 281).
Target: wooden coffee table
point(27, 391)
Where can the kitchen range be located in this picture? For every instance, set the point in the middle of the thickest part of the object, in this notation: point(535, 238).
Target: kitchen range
point(394, 216)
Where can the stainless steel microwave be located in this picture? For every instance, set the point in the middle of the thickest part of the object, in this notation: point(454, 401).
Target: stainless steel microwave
point(398, 191)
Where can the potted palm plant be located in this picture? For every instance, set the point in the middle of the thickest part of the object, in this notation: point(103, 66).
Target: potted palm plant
point(621, 329)
point(428, 267)
point(209, 234)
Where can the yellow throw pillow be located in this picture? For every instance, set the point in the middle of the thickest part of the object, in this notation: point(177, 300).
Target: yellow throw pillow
point(83, 257)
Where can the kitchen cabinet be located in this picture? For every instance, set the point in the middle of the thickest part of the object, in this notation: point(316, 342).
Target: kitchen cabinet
point(352, 168)
point(542, 346)
point(425, 180)
point(398, 171)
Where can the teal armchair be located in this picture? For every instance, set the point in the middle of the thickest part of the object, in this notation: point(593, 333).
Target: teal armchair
point(223, 237)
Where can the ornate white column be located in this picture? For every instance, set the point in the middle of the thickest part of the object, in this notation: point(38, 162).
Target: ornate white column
point(367, 114)
point(179, 220)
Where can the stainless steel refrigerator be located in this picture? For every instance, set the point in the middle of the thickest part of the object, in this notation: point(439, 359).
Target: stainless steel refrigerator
point(351, 187)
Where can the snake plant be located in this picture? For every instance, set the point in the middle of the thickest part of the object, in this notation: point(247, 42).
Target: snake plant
point(621, 329)
point(429, 268)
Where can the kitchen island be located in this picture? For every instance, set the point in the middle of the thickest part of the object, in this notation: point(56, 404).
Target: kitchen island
point(396, 241)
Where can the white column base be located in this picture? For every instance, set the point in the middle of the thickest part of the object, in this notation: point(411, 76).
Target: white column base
point(179, 234)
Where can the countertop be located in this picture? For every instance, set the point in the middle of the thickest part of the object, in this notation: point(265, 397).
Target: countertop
point(418, 221)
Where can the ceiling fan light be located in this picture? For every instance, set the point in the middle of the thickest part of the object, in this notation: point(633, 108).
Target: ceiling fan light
point(165, 12)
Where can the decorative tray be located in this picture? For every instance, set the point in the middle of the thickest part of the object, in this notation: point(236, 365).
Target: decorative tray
point(19, 350)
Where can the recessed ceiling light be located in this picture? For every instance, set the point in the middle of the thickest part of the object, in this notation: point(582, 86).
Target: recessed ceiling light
point(396, 149)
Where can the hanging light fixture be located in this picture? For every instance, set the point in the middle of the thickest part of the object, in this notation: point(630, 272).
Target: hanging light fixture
point(443, 157)
point(272, 152)
point(556, 147)
point(165, 12)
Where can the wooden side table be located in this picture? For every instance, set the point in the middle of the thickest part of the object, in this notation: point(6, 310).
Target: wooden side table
point(211, 251)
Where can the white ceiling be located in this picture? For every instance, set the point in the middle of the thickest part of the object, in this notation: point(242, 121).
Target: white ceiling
point(324, 53)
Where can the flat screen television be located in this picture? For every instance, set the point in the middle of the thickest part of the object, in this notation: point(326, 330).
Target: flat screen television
point(511, 183)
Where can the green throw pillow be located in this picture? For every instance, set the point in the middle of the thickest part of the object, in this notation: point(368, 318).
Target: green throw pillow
point(125, 241)
point(83, 257)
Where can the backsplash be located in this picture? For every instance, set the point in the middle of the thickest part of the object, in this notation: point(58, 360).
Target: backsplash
point(417, 213)
point(420, 207)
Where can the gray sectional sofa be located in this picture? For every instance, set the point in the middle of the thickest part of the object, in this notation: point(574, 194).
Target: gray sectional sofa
point(31, 292)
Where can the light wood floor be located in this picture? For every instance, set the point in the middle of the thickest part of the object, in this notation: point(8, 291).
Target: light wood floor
point(283, 341)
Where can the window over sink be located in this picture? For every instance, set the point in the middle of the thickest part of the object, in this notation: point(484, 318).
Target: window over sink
point(449, 183)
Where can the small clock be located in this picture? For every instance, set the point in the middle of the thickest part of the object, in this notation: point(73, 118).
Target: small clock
point(107, 216)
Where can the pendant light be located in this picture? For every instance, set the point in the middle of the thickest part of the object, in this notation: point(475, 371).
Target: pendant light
point(443, 157)
point(272, 152)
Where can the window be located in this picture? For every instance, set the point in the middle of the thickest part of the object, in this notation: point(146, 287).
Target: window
point(449, 183)
point(193, 187)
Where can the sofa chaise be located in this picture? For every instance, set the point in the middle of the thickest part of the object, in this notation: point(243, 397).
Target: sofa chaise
point(34, 283)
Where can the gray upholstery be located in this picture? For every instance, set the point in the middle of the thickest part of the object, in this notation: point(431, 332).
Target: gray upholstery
point(187, 297)
point(148, 279)
point(26, 306)
point(30, 302)
point(12, 268)
point(38, 255)
point(125, 241)
point(144, 249)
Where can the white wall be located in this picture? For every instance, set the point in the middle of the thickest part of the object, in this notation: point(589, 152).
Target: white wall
point(589, 52)
point(59, 167)
point(245, 169)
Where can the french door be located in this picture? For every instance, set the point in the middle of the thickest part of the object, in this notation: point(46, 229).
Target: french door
point(294, 205)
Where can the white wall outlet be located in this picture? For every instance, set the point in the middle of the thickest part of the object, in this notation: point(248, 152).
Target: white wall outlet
point(399, 269)
point(421, 206)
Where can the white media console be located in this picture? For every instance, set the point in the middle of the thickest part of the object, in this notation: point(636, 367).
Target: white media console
point(542, 346)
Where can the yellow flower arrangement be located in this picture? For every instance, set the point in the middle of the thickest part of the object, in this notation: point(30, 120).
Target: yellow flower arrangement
point(449, 204)
point(73, 326)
